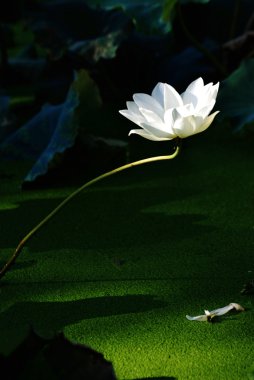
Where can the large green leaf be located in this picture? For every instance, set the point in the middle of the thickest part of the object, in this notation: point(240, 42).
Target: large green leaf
point(194, 1)
point(74, 26)
point(236, 97)
point(149, 16)
point(54, 128)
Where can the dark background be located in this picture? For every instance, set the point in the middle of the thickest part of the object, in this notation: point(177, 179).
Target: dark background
point(68, 66)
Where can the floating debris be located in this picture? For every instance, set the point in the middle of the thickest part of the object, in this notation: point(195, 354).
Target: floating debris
point(209, 315)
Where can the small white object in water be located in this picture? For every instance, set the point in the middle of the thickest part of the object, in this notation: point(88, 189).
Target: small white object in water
point(209, 315)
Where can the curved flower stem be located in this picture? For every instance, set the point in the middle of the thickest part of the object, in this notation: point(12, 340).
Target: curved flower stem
point(76, 192)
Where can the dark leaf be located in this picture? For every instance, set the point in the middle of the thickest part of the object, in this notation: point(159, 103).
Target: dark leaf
point(54, 129)
point(65, 25)
point(102, 47)
point(194, 1)
point(214, 20)
point(188, 65)
point(7, 119)
point(4, 123)
point(89, 156)
point(33, 138)
point(236, 97)
point(248, 288)
point(237, 49)
point(55, 359)
point(148, 16)
point(26, 69)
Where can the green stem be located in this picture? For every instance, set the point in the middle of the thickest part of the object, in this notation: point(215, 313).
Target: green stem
point(21, 244)
point(235, 16)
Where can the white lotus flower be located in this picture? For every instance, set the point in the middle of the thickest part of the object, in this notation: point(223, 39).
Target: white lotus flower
point(165, 114)
point(209, 315)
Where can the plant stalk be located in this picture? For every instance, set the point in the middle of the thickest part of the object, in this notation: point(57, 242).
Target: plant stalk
point(21, 244)
point(198, 45)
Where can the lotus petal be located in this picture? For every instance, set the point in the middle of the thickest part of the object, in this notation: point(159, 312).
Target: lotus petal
point(166, 114)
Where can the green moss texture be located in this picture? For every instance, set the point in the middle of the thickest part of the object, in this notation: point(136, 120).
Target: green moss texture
point(120, 266)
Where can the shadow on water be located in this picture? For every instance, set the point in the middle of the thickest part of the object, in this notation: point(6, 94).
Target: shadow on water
point(52, 317)
point(157, 378)
point(115, 220)
point(20, 265)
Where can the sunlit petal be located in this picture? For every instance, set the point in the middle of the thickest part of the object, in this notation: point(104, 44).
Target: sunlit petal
point(211, 92)
point(151, 117)
point(146, 135)
point(132, 117)
point(158, 132)
point(169, 119)
point(171, 97)
point(207, 122)
point(196, 87)
point(133, 108)
point(185, 127)
point(204, 112)
point(189, 98)
point(158, 93)
point(186, 110)
point(207, 96)
point(149, 103)
point(166, 114)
